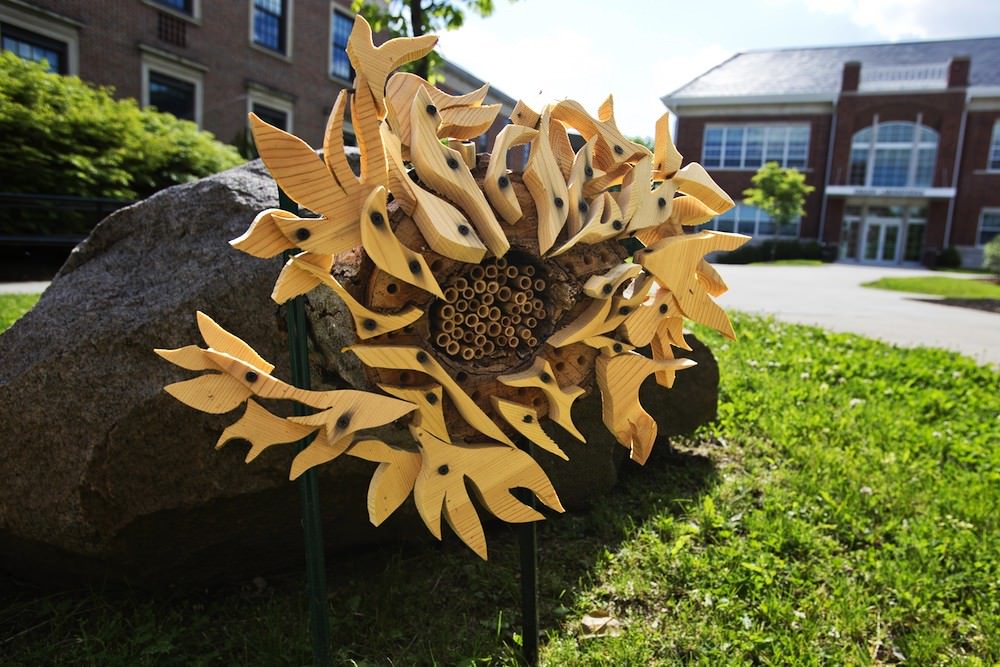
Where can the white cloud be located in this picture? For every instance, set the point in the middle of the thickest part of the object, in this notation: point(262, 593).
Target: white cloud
point(922, 19)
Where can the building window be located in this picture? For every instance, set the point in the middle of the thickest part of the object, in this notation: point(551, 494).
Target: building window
point(270, 25)
point(750, 220)
point(272, 107)
point(989, 226)
point(993, 163)
point(340, 29)
point(894, 155)
point(182, 6)
point(32, 46)
point(174, 96)
point(272, 116)
point(750, 146)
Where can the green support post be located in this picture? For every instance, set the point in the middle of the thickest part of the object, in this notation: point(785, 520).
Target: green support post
point(312, 525)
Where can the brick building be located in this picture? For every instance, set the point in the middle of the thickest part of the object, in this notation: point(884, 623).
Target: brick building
point(210, 61)
point(901, 141)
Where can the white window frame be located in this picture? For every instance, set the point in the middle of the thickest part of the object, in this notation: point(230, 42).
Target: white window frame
point(872, 145)
point(256, 95)
point(336, 8)
point(982, 219)
point(726, 127)
point(289, 33)
point(993, 154)
point(177, 70)
point(51, 25)
point(193, 17)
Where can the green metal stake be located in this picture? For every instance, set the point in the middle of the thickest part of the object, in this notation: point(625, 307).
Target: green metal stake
point(319, 621)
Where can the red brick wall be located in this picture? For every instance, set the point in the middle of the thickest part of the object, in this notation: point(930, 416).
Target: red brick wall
point(977, 187)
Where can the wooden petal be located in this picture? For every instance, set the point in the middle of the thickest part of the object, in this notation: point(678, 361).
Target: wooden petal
point(264, 238)
point(354, 410)
point(295, 280)
point(666, 159)
point(190, 357)
point(524, 115)
point(333, 147)
point(612, 147)
point(262, 429)
point(525, 421)
point(547, 186)
point(560, 399)
point(214, 393)
point(221, 340)
point(318, 452)
point(429, 414)
point(393, 479)
point(695, 181)
point(496, 183)
point(467, 123)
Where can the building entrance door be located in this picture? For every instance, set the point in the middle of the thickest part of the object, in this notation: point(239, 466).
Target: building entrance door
point(883, 234)
point(881, 240)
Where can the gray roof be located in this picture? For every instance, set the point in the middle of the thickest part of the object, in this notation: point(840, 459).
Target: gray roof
point(817, 71)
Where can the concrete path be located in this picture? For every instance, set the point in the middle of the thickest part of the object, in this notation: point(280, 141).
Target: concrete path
point(831, 296)
point(36, 287)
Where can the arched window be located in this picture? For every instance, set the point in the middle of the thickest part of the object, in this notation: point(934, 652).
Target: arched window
point(898, 154)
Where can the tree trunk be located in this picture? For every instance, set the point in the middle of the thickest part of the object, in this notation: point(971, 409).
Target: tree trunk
point(420, 67)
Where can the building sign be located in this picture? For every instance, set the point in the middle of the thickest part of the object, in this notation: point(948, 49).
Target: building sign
point(861, 191)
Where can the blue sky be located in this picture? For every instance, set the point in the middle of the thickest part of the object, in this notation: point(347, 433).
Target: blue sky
point(639, 50)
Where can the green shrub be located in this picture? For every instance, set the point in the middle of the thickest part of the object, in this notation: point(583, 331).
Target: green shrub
point(64, 136)
point(949, 258)
point(772, 250)
point(991, 256)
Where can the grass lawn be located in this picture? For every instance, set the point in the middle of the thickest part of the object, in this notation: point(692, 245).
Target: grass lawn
point(955, 288)
point(793, 262)
point(841, 511)
point(13, 306)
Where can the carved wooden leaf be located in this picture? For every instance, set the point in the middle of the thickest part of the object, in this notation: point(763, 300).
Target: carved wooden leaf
point(393, 479)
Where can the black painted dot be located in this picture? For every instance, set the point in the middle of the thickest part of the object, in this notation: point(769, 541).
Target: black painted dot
point(414, 266)
point(617, 224)
point(558, 202)
point(503, 181)
point(250, 376)
point(619, 150)
point(343, 421)
point(377, 218)
point(431, 109)
point(624, 310)
point(392, 288)
point(369, 324)
point(661, 202)
point(607, 288)
point(588, 171)
point(545, 377)
point(431, 398)
point(453, 163)
point(528, 419)
point(582, 206)
point(463, 230)
point(443, 470)
point(422, 357)
point(302, 233)
point(663, 309)
point(617, 347)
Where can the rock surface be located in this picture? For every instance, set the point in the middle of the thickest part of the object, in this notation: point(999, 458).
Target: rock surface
point(105, 475)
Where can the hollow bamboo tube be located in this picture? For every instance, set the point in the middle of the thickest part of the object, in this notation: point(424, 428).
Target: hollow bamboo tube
point(524, 282)
point(537, 304)
point(502, 341)
point(460, 284)
point(468, 293)
point(453, 348)
point(468, 353)
point(487, 299)
point(443, 339)
point(477, 273)
point(448, 326)
point(483, 312)
point(520, 298)
point(494, 329)
point(447, 311)
point(492, 287)
point(530, 322)
point(509, 331)
point(491, 272)
point(525, 334)
point(539, 285)
point(471, 320)
point(450, 294)
point(529, 295)
point(457, 332)
point(513, 341)
point(505, 321)
point(516, 319)
point(480, 353)
point(501, 263)
point(511, 271)
point(480, 340)
point(479, 286)
point(468, 337)
point(510, 308)
point(532, 342)
point(461, 305)
point(504, 293)
point(480, 328)
point(494, 313)
point(539, 314)
point(489, 347)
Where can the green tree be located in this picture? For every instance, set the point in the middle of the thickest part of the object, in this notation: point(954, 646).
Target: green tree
point(410, 18)
point(991, 256)
point(780, 192)
point(64, 136)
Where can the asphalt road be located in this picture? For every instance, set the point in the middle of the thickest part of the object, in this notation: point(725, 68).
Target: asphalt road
point(831, 296)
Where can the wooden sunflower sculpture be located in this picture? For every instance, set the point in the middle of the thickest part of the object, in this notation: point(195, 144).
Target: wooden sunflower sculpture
point(493, 299)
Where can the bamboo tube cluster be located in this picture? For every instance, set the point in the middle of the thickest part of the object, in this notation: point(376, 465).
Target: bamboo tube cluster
point(492, 310)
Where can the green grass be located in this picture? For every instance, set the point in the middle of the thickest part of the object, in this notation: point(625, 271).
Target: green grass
point(13, 306)
point(955, 288)
point(794, 262)
point(842, 510)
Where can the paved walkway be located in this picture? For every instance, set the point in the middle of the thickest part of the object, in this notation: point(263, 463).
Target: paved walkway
point(831, 296)
point(36, 287)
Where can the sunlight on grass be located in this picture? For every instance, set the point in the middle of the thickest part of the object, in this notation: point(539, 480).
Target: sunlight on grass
point(13, 306)
point(956, 288)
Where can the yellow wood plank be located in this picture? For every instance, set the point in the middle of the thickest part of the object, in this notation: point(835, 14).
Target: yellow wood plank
point(640, 326)
point(524, 419)
point(561, 148)
point(581, 171)
point(294, 280)
point(264, 238)
point(333, 147)
point(430, 413)
point(695, 181)
point(666, 159)
point(593, 231)
point(393, 479)
point(321, 450)
point(548, 189)
point(524, 115)
point(221, 340)
point(467, 123)
point(402, 88)
point(443, 169)
point(612, 147)
point(686, 211)
point(467, 149)
point(560, 399)
point(262, 429)
point(406, 357)
point(496, 183)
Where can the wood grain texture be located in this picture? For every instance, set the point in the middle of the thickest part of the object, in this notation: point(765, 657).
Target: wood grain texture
point(294, 280)
point(695, 181)
point(402, 87)
point(524, 115)
point(392, 481)
point(496, 183)
point(612, 148)
point(262, 429)
point(560, 399)
point(666, 158)
point(548, 189)
point(581, 171)
point(430, 409)
point(524, 420)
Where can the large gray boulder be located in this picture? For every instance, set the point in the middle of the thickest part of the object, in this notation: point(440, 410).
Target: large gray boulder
point(105, 475)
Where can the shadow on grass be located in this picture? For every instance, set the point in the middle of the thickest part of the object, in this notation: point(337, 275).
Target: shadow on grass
point(427, 603)
point(988, 305)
